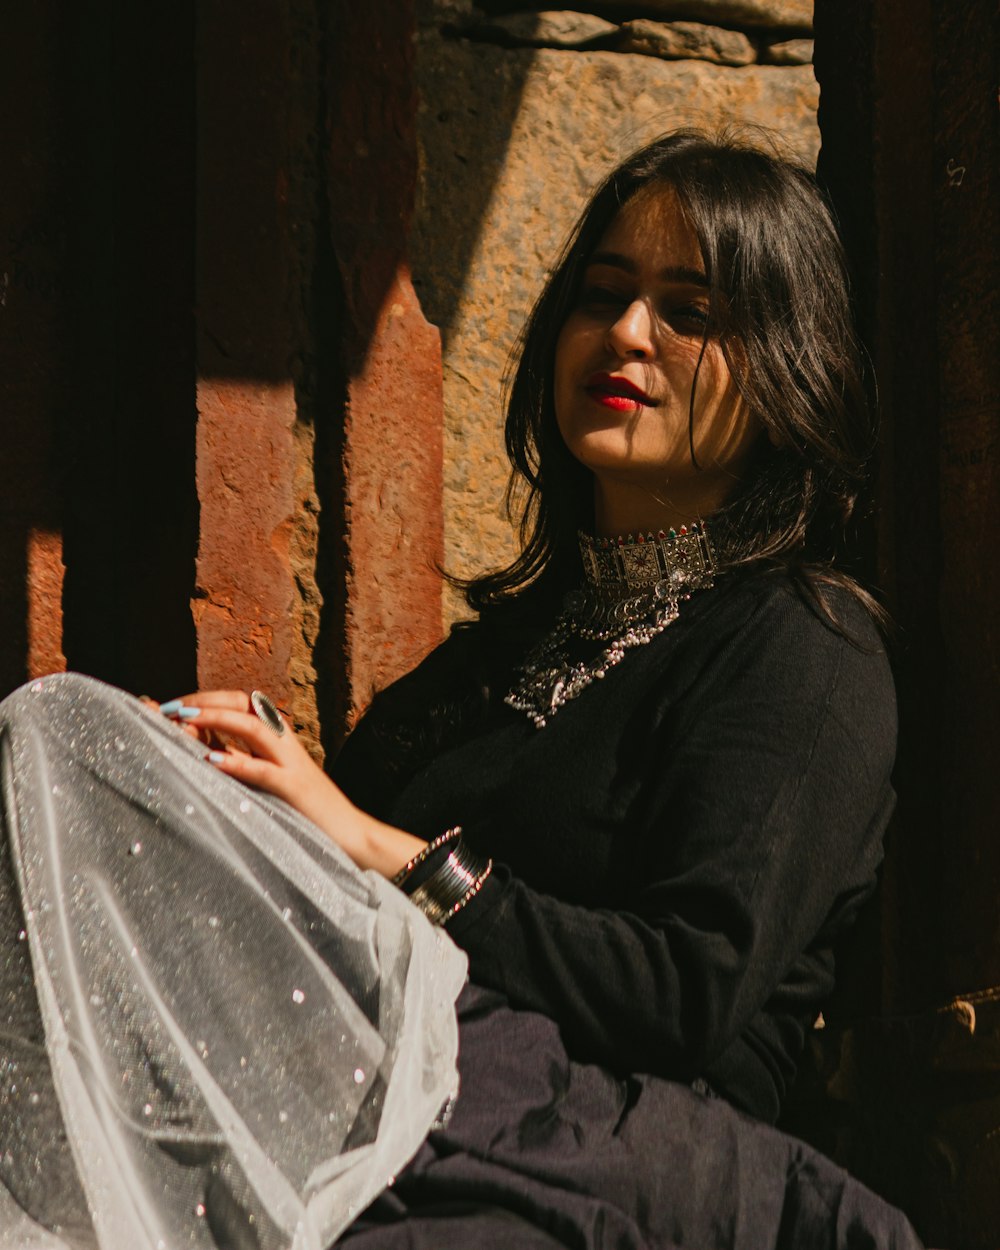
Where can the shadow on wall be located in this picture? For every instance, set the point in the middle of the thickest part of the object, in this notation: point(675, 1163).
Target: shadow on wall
point(191, 208)
point(484, 73)
point(34, 319)
point(125, 436)
point(95, 335)
point(466, 120)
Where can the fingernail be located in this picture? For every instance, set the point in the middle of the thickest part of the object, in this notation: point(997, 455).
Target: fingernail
point(187, 713)
point(216, 757)
point(171, 708)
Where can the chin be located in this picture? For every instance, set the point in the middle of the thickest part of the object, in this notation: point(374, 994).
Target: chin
point(607, 451)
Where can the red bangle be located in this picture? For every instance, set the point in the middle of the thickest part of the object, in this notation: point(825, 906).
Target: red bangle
point(448, 836)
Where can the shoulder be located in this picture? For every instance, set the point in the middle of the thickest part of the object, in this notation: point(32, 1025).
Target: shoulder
point(768, 610)
point(760, 636)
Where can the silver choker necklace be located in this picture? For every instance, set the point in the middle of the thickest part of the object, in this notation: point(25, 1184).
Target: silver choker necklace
point(632, 590)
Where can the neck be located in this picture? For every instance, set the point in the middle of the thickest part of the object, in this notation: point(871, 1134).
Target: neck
point(626, 509)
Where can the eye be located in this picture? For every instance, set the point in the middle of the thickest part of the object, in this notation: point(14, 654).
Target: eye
point(689, 317)
point(593, 295)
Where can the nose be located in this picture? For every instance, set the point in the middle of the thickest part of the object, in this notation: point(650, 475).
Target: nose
point(630, 337)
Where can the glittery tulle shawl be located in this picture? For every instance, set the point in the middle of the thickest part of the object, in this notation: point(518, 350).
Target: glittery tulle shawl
point(245, 1036)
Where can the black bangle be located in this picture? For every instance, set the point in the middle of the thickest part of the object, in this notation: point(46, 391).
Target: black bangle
point(449, 835)
point(455, 884)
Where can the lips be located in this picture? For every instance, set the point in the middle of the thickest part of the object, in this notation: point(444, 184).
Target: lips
point(614, 391)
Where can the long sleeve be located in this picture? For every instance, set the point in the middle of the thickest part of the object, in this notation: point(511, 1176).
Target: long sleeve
point(760, 750)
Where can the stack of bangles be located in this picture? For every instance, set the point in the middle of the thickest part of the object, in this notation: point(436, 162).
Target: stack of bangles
point(441, 890)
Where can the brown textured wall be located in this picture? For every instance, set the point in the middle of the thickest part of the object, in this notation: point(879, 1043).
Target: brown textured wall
point(222, 201)
point(383, 522)
point(255, 110)
point(512, 138)
point(319, 427)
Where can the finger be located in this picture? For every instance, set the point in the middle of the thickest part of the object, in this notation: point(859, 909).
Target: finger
point(206, 737)
point(189, 724)
point(245, 727)
point(236, 700)
point(251, 770)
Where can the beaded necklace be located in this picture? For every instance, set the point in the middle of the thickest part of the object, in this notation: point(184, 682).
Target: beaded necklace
point(632, 589)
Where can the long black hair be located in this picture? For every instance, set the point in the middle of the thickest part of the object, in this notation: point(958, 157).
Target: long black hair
point(779, 305)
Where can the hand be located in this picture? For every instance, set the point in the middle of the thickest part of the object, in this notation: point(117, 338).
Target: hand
point(280, 765)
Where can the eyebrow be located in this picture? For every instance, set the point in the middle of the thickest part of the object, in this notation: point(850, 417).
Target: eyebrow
point(673, 273)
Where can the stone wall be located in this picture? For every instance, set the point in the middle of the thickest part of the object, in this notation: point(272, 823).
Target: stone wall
point(521, 114)
point(204, 281)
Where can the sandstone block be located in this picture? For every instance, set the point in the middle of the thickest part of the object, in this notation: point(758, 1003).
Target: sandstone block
point(44, 584)
point(788, 52)
point(687, 40)
point(388, 523)
point(562, 29)
point(793, 14)
point(511, 142)
point(244, 605)
point(393, 522)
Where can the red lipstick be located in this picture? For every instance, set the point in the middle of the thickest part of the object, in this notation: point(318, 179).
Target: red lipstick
point(617, 392)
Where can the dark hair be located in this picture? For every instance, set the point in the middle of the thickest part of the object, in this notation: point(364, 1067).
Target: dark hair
point(779, 305)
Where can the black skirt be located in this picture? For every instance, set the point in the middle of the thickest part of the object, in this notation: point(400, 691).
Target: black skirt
point(544, 1152)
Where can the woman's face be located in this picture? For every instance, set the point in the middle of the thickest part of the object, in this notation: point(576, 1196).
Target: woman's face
point(624, 368)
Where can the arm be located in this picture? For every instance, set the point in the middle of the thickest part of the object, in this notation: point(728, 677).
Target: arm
point(758, 835)
point(758, 832)
point(281, 766)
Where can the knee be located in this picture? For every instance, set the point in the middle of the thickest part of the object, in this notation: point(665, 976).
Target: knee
point(69, 687)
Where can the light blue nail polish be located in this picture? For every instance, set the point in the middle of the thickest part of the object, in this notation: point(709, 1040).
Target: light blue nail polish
point(216, 757)
point(171, 708)
point(187, 713)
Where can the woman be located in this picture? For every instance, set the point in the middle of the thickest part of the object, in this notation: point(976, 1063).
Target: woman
point(668, 744)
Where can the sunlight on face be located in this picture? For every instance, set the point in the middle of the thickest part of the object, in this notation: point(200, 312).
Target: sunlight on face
point(624, 368)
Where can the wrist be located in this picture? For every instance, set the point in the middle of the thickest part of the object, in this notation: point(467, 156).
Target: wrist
point(383, 848)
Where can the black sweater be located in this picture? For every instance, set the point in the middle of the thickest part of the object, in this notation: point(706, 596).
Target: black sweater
point(678, 848)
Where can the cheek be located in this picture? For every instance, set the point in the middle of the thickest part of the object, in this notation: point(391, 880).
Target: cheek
point(714, 374)
point(724, 427)
point(569, 366)
point(570, 347)
point(716, 393)
point(727, 431)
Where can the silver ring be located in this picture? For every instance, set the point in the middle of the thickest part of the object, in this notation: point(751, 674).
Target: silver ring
point(265, 711)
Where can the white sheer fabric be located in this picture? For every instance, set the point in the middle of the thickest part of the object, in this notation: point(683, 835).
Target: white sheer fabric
point(245, 1036)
